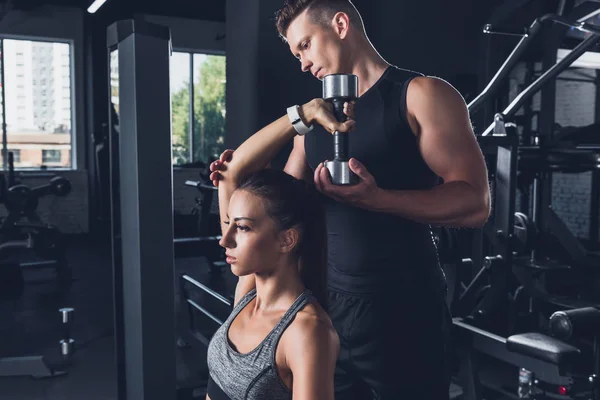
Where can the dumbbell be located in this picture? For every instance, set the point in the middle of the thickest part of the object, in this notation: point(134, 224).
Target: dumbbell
point(339, 89)
point(60, 186)
point(67, 344)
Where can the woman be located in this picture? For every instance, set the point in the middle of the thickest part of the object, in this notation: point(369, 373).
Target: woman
point(278, 342)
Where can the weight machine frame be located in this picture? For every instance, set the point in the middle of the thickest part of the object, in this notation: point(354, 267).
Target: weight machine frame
point(501, 139)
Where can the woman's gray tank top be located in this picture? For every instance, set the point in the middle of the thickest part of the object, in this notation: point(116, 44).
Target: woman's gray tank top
point(253, 375)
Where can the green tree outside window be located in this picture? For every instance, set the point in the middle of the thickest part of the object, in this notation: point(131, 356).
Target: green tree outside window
point(208, 113)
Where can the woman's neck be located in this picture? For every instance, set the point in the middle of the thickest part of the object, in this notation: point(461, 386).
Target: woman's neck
point(278, 289)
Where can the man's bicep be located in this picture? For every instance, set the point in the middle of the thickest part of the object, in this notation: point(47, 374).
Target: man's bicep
point(446, 139)
point(452, 152)
point(296, 165)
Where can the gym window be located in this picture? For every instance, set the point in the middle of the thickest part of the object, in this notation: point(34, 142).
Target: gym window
point(32, 123)
point(198, 131)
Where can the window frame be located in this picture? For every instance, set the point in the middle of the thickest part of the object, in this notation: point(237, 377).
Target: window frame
point(72, 104)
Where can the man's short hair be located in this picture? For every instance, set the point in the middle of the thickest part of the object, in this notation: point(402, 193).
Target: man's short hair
point(320, 11)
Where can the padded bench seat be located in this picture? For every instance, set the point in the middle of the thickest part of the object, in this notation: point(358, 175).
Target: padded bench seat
point(542, 347)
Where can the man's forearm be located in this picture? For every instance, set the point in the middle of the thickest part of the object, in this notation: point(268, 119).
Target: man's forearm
point(451, 204)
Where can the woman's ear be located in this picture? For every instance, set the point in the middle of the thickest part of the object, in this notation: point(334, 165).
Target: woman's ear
point(288, 240)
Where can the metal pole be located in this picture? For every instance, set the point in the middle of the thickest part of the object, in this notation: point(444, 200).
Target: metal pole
point(595, 184)
point(192, 120)
point(519, 50)
point(554, 71)
point(595, 207)
point(505, 69)
point(4, 137)
point(142, 190)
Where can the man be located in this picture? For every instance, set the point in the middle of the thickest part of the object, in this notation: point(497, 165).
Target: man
point(386, 287)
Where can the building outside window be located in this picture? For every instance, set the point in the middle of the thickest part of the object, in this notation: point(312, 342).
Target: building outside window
point(38, 99)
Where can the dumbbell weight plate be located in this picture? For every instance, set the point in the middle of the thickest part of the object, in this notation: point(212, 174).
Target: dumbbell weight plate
point(60, 186)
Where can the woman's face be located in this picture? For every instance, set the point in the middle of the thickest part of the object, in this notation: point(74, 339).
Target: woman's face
point(252, 239)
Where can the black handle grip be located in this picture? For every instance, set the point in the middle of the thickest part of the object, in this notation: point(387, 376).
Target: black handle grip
point(340, 140)
point(340, 146)
point(338, 110)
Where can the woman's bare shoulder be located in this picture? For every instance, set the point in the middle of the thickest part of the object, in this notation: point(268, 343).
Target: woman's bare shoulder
point(313, 322)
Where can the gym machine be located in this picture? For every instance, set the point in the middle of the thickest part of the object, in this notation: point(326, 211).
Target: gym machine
point(554, 365)
point(501, 231)
point(206, 241)
point(208, 303)
point(551, 366)
point(24, 234)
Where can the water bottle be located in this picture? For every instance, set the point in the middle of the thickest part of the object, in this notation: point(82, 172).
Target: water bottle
point(525, 383)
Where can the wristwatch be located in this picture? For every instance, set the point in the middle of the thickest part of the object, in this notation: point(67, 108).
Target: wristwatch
point(297, 122)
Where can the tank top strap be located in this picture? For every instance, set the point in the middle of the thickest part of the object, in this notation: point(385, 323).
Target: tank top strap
point(289, 316)
point(247, 298)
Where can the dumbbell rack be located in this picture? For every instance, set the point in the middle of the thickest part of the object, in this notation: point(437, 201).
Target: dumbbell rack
point(22, 227)
point(39, 366)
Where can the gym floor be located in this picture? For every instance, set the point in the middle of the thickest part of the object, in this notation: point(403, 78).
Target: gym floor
point(32, 326)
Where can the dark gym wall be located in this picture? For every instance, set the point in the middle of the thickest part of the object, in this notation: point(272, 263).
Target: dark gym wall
point(242, 65)
point(435, 37)
point(263, 78)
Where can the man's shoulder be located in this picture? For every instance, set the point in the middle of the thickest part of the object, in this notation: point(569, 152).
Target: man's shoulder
point(395, 83)
point(429, 87)
point(400, 76)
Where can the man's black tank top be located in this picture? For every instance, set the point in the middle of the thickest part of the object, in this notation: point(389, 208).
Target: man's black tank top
point(369, 249)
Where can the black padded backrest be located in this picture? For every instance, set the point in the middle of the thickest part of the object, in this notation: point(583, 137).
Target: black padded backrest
point(580, 322)
point(542, 347)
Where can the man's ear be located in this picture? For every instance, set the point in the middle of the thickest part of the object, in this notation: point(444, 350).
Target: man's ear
point(341, 24)
point(288, 240)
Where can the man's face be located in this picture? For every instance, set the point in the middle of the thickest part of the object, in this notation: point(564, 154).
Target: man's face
point(318, 48)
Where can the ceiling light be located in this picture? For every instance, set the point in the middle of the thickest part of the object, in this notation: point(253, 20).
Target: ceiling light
point(95, 6)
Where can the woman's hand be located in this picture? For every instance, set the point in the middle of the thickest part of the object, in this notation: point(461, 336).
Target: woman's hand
point(321, 112)
point(220, 165)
